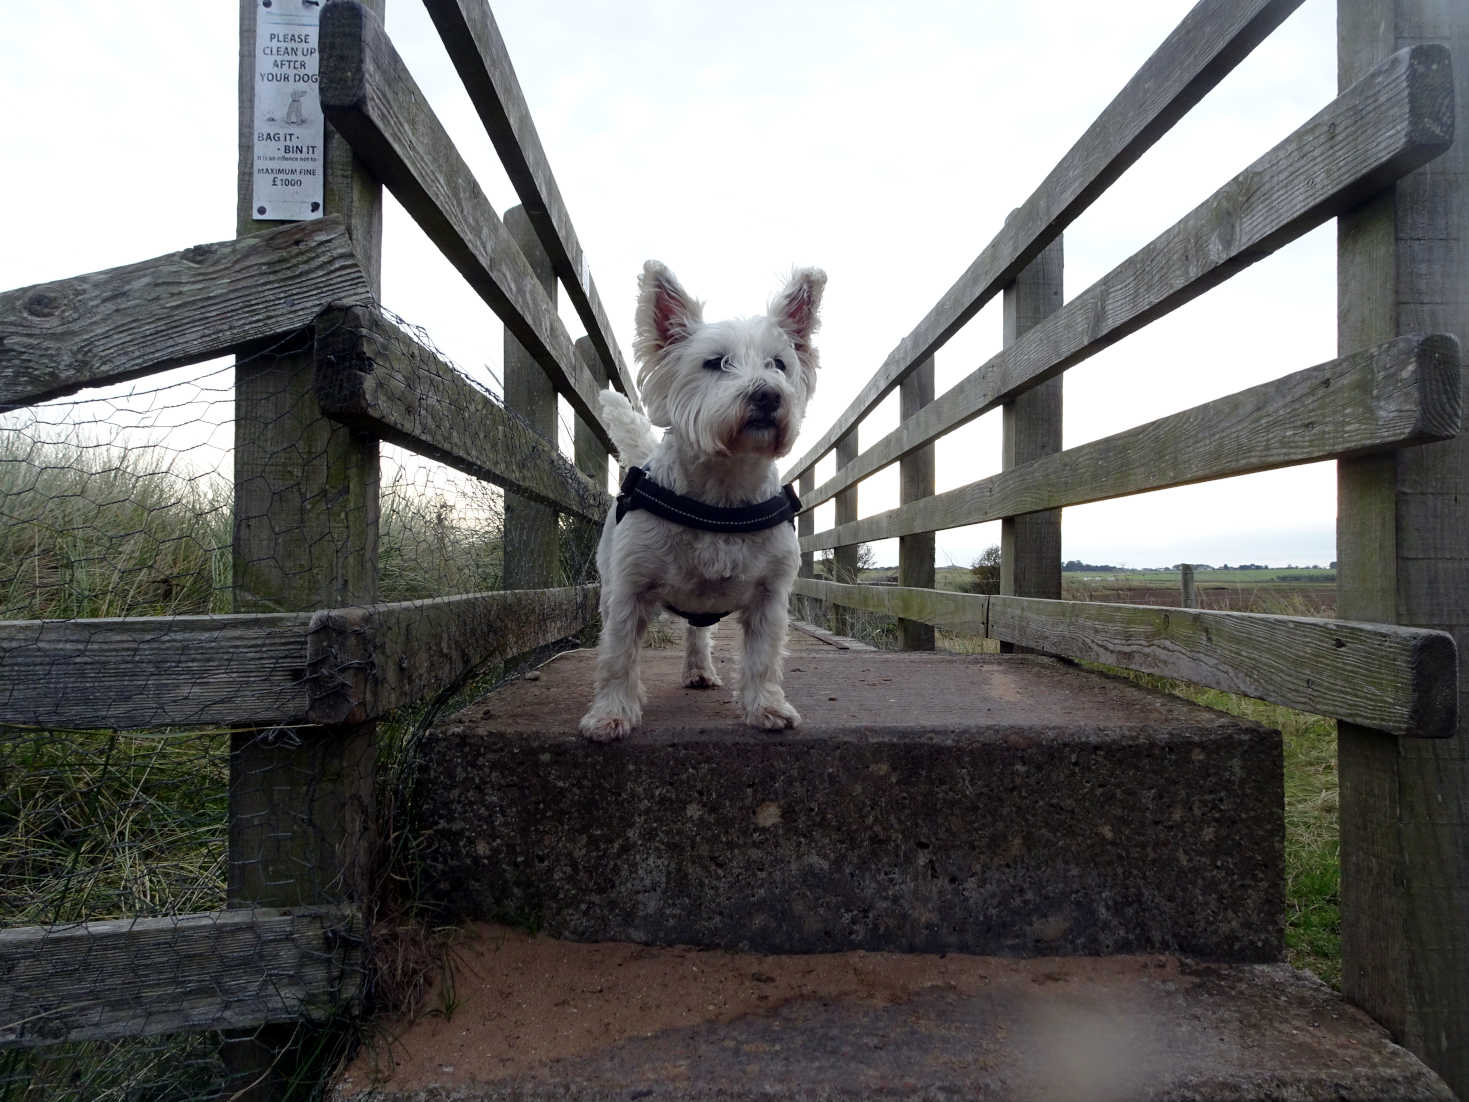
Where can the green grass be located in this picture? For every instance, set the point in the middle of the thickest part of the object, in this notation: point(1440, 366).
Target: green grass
point(98, 824)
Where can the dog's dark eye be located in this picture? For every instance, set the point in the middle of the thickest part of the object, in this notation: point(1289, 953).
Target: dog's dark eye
point(714, 363)
point(780, 364)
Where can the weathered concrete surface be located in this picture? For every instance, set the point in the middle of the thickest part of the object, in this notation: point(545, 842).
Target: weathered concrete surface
point(1053, 1029)
point(1005, 805)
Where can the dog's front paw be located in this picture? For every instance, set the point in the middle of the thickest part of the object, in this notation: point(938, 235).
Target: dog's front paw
point(602, 726)
point(776, 715)
point(701, 679)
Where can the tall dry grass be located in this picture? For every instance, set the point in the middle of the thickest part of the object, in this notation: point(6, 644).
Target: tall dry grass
point(103, 824)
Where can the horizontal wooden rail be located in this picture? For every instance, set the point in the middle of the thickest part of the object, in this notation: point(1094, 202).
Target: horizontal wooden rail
point(1210, 41)
point(1401, 393)
point(240, 669)
point(378, 379)
point(373, 659)
point(1403, 681)
point(136, 977)
point(1395, 119)
point(189, 306)
point(368, 94)
point(474, 45)
point(268, 669)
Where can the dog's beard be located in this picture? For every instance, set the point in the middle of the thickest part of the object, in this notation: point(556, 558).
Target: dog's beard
point(760, 434)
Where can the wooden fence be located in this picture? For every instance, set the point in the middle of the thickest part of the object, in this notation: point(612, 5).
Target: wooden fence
point(1381, 159)
point(310, 659)
point(311, 648)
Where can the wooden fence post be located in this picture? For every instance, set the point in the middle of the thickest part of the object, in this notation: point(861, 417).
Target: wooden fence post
point(531, 546)
point(1030, 544)
point(302, 820)
point(1186, 581)
point(806, 526)
point(844, 559)
point(590, 456)
point(916, 481)
point(1403, 551)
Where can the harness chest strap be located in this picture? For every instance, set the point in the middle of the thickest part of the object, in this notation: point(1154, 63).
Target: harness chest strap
point(641, 492)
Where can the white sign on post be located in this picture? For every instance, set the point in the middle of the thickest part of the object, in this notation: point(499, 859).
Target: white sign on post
point(288, 125)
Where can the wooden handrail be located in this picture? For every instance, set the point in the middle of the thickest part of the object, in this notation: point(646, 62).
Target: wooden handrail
point(141, 977)
point(1395, 119)
point(369, 96)
point(1401, 393)
point(1403, 681)
point(252, 670)
point(1210, 41)
point(182, 308)
point(375, 377)
point(474, 45)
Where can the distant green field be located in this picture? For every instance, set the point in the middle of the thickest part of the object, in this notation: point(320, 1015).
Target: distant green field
point(951, 577)
point(1292, 575)
point(1300, 590)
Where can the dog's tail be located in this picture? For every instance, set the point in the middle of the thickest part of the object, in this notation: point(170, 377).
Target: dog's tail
point(629, 429)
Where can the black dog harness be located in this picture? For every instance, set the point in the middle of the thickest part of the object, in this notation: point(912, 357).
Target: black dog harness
point(641, 492)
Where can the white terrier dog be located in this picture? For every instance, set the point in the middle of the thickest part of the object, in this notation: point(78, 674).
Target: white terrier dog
point(702, 526)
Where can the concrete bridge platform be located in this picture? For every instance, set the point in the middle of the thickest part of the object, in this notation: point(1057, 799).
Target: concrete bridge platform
point(989, 877)
point(1011, 805)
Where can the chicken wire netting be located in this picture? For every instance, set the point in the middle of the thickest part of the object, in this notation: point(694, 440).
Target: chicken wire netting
point(120, 544)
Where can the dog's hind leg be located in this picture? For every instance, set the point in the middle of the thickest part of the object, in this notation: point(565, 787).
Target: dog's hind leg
point(617, 706)
point(698, 661)
point(760, 693)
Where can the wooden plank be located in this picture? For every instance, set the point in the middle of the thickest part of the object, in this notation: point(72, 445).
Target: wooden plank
point(1403, 549)
point(805, 525)
point(967, 612)
point(532, 551)
point(382, 656)
point(1210, 41)
point(140, 977)
point(474, 45)
point(368, 94)
point(182, 308)
point(301, 809)
point(376, 378)
point(1396, 118)
point(268, 670)
point(845, 558)
point(302, 818)
point(183, 671)
point(1403, 392)
point(1030, 543)
point(916, 481)
point(591, 459)
point(1403, 681)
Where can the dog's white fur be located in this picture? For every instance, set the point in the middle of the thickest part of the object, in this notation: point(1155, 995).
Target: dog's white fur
point(730, 396)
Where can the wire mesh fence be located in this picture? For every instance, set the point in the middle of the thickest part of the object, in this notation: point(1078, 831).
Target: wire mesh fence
point(140, 838)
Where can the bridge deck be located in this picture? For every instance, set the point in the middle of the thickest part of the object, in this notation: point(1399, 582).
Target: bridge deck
point(1115, 851)
point(841, 686)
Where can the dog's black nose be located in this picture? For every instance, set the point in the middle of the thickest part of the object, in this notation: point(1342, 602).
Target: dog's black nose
point(765, 401)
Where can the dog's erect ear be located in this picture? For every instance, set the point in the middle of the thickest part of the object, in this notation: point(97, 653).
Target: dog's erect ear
point(797, 309)
point(666, 316)
point(666, 313)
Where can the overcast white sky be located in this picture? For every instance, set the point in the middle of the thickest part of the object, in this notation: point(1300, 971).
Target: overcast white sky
point(884, 141)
